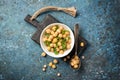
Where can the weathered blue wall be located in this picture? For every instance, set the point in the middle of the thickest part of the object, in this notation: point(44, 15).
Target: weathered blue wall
point(100, 25)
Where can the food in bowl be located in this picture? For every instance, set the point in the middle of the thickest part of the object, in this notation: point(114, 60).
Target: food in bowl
point(57, 39)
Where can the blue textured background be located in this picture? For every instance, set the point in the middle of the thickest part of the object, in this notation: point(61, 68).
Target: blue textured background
point(100, 26)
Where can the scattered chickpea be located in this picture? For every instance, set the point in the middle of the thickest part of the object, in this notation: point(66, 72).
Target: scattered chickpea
point(82, 44)
point(45, 66)
point(43, 69)
point(55, 61)
point(67, 33)
point(54, 66)
point(64, 36)
point(83, 57)
point(65, 59)
point(58, 74)
point(43, 54)
point(68, 57)
point(50, 64)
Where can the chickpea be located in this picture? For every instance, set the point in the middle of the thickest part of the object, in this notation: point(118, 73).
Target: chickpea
point(68, 46)
point(60, 47)
point(68, 57)
point(54, 35)
point(69, 41)
point(54, 66)
point(76, 57)
point(61, 51)
point(75, 62)
point(52, 32)
point(76, 66)
point(54, 28)
point(61, 28)
point(59, 43)
point(65, 59)
point(71, 63)
point(54, 40)
point(51, 37)
point(50, 64)
point(57, 49)
point(44, 39)
point(51, 49)
point(82, 44)
point(59, 31)
point(48, 30)
point(51, 45)
point(55, 61)
point(48, 48)
point(43, 54)
point(64, 36)
point(54, 45)
point(60, 35)
point(67, 33)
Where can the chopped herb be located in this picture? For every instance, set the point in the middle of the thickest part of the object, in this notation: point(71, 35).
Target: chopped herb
point(47, 43)
point(56, 27)
point(47, 34)
point(55, 51)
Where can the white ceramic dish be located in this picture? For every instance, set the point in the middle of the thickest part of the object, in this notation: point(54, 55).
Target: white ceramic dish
point(51, 53)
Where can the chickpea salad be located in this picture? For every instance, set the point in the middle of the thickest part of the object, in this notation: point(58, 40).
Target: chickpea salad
point(57, 39)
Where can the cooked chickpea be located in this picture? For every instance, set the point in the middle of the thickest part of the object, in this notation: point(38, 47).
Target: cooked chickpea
point(52, 32)
point(60, 47)
point(71, 63)
point(64, 36)
point(54, 40)
point(68, 46)
point(60, 35)
point(43, 54)
point(51, 49)
point(48, 30)
point(75, 66)
point(44, 39)
point(59, 43)
point(48, 48)
point(82, 44)
point(69, 41)
point(68, 57)
point(76, 57)
point(57, 49)
point(50, 64)
point(67, 33)
point(65, 59)
point(59, 31)
point(54, 45)
point(51, 37)
point(54, 28)
point(61, 28)
point(55, 61)
point(61, 51)
point(54, 35)
point(54, 66)
point(51, 45)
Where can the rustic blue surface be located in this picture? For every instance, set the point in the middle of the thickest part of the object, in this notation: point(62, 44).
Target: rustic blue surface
point(100, 25)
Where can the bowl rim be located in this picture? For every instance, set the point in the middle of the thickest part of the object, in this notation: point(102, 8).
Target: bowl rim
point(51, 53)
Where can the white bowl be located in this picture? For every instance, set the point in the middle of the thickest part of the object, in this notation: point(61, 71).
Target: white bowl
point(51, 53)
